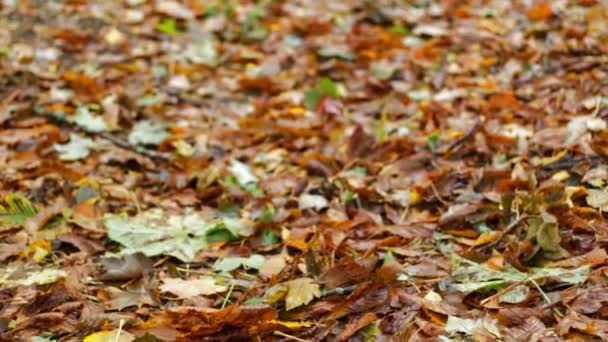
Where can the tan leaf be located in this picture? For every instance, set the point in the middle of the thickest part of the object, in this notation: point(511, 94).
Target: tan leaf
point(597, 199)
point(192, 287)
point(273, 265)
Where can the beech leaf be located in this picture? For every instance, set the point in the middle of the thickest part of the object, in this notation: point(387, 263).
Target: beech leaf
point(192, 287)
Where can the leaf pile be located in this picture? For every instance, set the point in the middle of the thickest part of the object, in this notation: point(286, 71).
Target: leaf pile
point(176, 170)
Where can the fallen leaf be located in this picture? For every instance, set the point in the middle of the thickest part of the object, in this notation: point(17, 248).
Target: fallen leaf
point(110, 336)
point(296, 292)
point(148, 132)
point(127, 267)
point(244, 176)
point(89, 122)
point(273, 265)
point(515, 295)
point(469, 276)
point(590, 301)
point(16, 210)
point(174, 9)
point(470, 326)
point(202, 52)
point(15, 276)
point(232, 263)
point(598, 199)
point(192, 287)
point(154, 233)
point(33, 224)
point(76, 148)
point(541, 11)
point(311, 201)
point(120, 299)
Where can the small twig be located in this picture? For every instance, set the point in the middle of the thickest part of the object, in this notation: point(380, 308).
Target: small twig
point(501, 292)
point(161, 261)
point(505, 232)
point(556, 310)
point(120, 324)
point(104, 135)
point(460, 139)
point(228, 295)
point(291, 337)
point(439, 196)
point(338, 291)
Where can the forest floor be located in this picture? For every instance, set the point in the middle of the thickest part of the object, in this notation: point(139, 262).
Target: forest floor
point(303, 170)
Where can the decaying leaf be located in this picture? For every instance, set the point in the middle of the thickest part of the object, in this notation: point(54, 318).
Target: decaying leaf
point(16, 276)
point(545, 230)
point(469, 326)
point(470, 276)
point(127, 267)
point(303, 170)
point(515, 295)
point(121, 299)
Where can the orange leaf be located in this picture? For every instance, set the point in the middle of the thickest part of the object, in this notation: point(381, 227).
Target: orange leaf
point(540, 12)
point(503, 100)
point(468, 233)
point(486, 237)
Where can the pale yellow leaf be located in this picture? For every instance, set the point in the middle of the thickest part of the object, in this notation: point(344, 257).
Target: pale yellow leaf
point(293, 324)
point(597, 199)
point(300, 292)
point(193, 287)
point(109, 336)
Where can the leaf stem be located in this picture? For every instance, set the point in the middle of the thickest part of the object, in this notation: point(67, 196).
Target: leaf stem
point(228, 295)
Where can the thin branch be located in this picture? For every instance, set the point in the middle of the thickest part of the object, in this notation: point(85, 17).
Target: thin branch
point(104, 135)
point(506, 232)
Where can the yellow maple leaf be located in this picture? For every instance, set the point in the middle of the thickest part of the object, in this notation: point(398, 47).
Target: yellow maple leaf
point(300, 292)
